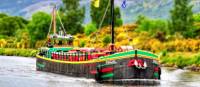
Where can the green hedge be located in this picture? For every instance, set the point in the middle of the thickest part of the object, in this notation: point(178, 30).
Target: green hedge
point(18, 52)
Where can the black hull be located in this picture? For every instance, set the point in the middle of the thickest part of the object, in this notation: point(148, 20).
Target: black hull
point(75, 70)
point(122, 73)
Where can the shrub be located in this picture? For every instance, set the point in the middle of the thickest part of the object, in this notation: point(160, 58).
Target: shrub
point(106, 40)
point(82, 44)
point(196, 17)
point(153, 25)
point(181, 60)
point(90, 28)
point(18, 52)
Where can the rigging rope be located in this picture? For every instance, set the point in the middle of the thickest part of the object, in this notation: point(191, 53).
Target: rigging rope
point(101, 22)
point(63, 28)
point(50, 26)
point(61, 23)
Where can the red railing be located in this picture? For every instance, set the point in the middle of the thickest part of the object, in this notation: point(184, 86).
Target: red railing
point(76, 56)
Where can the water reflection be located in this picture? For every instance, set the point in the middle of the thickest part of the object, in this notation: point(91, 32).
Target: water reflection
point(20, 72)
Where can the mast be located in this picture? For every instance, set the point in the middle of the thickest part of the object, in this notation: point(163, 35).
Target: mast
point(54, 20)
point(112, 24)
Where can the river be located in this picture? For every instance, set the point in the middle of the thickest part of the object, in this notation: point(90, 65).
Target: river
point(21, 72)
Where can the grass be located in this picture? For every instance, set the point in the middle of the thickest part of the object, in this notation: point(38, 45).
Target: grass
point(18, 52)
point(181, 59)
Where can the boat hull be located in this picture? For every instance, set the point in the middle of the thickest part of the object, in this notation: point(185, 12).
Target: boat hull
point(120, 71)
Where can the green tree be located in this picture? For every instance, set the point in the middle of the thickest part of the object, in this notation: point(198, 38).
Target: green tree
point(72, 16)
point(39, 26)
point(152, 26)
point(182, 18)
point(3, 15)
point(97, 14)
point(9, 25)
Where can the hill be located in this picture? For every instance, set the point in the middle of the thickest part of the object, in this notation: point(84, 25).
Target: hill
point(150, 8)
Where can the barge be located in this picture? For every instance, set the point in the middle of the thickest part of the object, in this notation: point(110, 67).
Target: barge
point(107, 65)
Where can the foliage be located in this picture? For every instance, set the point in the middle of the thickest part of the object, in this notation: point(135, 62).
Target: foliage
point(82, 44)
point(196, 17)
point(121, 36)
point(90, 28)
point(183, 45)
point(98, 13)
point(2, 15)
point(196, 31)
point(23, 38)
point(22, 34)
point(3, 43)
point(156, 27)
point(72, 16)
point(106, 40)
point(18, 52)
point(39, 27)
point(181, 60)
point(182, 18)
point(40, 43)
point(9, 25)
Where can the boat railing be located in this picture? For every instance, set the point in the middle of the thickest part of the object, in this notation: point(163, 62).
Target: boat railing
point(72, 56)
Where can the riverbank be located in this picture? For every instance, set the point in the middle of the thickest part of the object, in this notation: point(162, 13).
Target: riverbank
point(18, 52)
point(182, 60)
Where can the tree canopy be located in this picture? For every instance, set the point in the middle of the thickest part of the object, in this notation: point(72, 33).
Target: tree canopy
point(97, 14)
point(9, 25)
point(72, 16)
point(39, 26)
point(182, 18)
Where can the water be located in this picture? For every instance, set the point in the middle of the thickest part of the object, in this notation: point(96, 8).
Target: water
point(21, 72)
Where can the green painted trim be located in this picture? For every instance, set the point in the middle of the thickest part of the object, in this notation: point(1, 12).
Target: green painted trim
point(155, 74)
point(146, 53)
point(40, 65)
point(132, 52)
point(109, 75)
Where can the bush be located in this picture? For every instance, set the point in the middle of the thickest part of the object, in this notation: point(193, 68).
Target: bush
point(196, 17)
point(181, 60)
point(82, 44)
point(152, 26)
point(106, 40)
point(18, 52)
point(90, 28)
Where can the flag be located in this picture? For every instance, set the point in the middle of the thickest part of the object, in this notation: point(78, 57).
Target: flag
point(95, 3)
